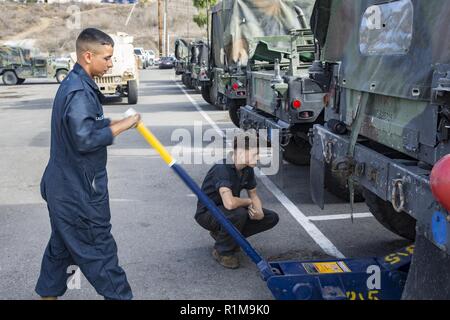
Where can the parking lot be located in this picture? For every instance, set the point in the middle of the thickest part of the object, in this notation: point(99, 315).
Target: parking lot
point(165, 253)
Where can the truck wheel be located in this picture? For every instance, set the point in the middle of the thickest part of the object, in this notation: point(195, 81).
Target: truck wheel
point(399, 223)
point(132, 92)
point(298, 152)
point(10, 78)
point(205, 93)
point(338, 186)
point(233, 111)
point(20, 81)
point(61, 75)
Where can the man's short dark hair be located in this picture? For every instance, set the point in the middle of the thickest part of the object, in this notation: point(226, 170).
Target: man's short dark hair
point(91, 37)
point(245, 140)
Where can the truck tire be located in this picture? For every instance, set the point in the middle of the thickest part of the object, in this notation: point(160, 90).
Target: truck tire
point(61, 75)
point(10, 78)
point(298, 152)
point(338, 186)
point(132, 92)
point(205, 93)
point(233, 110)
point(399, 223)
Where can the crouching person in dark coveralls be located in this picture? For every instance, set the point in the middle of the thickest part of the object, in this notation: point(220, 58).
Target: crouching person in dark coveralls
point(223, 184)
point(75, 182)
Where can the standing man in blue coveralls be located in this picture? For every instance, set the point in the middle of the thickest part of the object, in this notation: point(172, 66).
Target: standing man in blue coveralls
point(75, 182)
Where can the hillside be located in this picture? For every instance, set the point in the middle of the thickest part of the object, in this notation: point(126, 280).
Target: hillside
point(48, 24)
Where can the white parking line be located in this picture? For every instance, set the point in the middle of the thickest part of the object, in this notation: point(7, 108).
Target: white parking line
point(340, 216)
point(318, 237)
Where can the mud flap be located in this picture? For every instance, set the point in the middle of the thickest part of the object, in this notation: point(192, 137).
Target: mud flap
point(429, 274)
point(317, 181)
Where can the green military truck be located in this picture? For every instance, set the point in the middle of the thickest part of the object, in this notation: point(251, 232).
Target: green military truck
point(182, 56)
point(235, 25)
point(17, 65)
point(197, 60)
point(285, 93)
point(281, 94)
point(200, 65)
point(387, 120)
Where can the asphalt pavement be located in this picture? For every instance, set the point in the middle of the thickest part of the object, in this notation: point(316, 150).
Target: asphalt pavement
point(165, 254)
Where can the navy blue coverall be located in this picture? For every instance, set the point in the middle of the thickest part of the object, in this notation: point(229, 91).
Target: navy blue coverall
point(75, 186)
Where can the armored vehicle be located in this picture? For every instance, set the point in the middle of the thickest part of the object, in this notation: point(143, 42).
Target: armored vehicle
point(123, 79)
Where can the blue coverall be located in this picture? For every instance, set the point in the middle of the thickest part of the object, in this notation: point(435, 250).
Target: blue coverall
point(75, 186)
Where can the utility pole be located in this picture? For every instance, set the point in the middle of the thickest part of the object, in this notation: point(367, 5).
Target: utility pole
point(160, 27)
point(208, 9)
point(166, 29)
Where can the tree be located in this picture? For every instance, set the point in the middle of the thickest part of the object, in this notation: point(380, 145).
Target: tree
point(202, 5)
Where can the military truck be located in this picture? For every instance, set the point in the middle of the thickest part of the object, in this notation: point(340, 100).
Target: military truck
point(123, 79)
point(281, 94)
point(182, 55)
point(17, 64)
point(197, 64)
point(387, 120)
point(235, 25)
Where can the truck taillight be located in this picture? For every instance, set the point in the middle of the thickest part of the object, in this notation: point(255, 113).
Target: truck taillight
point(296, 104)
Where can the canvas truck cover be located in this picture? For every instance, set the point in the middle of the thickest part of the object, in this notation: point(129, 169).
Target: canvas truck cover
point(389, 48)
point(181, 49)
point(235, 23)
point(203, 55)
point(199, 52)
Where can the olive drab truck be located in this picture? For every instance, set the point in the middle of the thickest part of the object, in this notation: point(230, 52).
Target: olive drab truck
point(196, 65)
point(182, 56)
point(18, 64)
point(387, 120)
point(192, 56)
point(235, 24)
point(281, 94)
point(199, 66)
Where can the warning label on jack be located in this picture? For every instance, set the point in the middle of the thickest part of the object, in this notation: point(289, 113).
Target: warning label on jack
point(326, 267)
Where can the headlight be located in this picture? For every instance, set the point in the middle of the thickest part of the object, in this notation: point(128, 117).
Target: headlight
point(117, 79)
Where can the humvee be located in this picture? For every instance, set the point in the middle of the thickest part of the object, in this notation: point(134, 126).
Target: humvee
point(17, 64)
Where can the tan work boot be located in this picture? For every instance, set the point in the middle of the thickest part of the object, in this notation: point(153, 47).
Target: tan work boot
point(49, 298)
point(230, 262)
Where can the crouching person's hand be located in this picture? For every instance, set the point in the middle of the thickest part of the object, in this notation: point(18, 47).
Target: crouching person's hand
point(255, 214)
